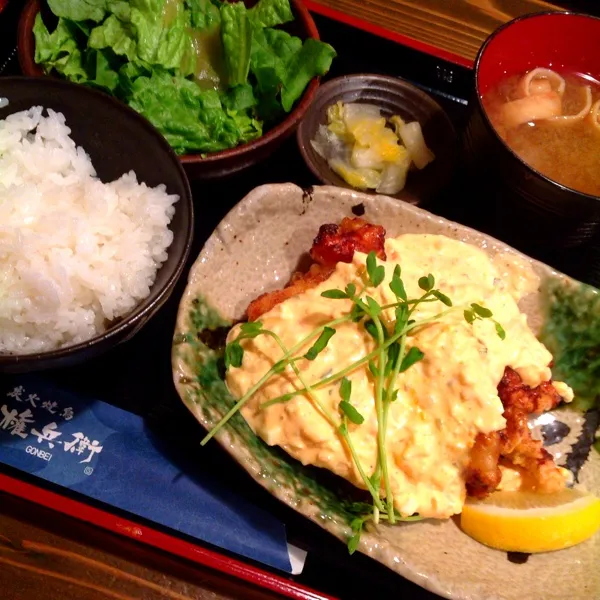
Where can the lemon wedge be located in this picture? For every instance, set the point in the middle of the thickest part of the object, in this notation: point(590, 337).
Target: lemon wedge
point(529, 522)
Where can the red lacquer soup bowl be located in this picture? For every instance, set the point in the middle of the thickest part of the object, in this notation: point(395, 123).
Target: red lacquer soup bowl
point(518, 203)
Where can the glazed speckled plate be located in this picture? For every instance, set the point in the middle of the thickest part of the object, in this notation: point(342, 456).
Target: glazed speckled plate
point(255, 249)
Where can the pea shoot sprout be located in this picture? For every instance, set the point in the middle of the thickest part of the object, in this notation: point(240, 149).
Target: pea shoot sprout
point(391, 357)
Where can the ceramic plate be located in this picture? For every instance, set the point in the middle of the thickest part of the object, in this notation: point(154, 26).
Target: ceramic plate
point(255, 249)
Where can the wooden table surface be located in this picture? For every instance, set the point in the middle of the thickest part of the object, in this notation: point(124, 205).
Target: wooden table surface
point(48, 556)
point(456, 27)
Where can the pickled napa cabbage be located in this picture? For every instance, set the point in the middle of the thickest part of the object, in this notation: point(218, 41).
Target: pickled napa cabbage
point(365, 152)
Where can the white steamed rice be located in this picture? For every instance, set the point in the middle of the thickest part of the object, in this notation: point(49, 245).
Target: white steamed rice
point(75, 253)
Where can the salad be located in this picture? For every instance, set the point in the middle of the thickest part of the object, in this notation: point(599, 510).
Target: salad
point(209, 75)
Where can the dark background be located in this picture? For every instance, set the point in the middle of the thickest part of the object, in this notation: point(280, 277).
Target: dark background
point(137, 376)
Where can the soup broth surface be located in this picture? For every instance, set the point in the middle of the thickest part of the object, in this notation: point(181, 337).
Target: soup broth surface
point(568, 153)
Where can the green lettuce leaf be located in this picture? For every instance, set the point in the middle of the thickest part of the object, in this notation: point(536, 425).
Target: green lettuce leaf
point(239, 98)
point(191, 119)
point(128, 73)
point(272, 50)
point(79, 10)
point(206, 56)
point(249, 128)
point(117, 35)
point(102, 68)
point(85, 28)
point(283, 66)
point(59, 50)
point(120, 8)
point(156, 8)
point(236, 35)
point(204, 14)
point(268, 13)
point(314, 59)
point(162, 39)
point(203, 71)
point(148, 32)
point(281, 46)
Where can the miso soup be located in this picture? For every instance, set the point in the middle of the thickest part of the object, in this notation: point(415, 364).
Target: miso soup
point(552, 122)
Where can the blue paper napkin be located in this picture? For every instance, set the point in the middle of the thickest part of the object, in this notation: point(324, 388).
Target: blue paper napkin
point(108, 454)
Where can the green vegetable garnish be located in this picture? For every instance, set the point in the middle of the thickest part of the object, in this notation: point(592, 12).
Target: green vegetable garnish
point(391, 357)
point(314, 58)
point(269, 13)
point(59, 50)
point(82, 10)
point(237, 41)
point(320, 344)
point(209, 75)
point(572, 334)
point(204, 14)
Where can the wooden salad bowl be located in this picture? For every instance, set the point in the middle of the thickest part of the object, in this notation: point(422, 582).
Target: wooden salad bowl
point(215, 164)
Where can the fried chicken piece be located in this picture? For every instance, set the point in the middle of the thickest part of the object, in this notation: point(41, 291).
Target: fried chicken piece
point(514, 446)
point(517, 447)
point(299, 283)
point(333, 244)
point(337, 243)
point(483, 473)
point(515, 394)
